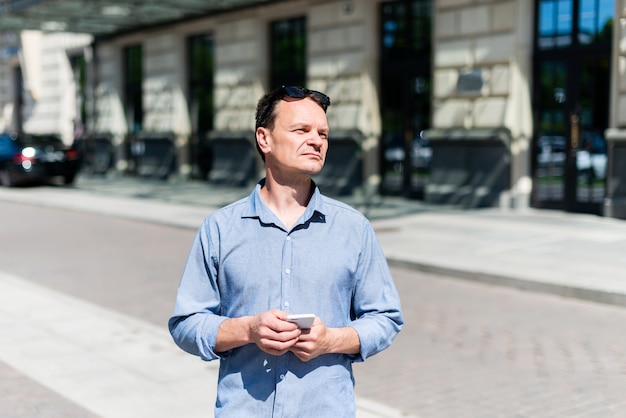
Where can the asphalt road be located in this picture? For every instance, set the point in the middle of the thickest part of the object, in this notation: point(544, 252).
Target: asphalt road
point(467, 350)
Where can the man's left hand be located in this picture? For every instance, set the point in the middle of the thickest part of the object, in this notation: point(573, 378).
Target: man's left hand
point(320, 339)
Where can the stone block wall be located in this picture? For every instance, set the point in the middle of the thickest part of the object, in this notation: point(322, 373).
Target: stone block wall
point(9, 42)
point(240, 70)
point(482, 67)
point(619, 51)
point(49, 95)
point(477, 53)
point(165, 106)
point(340, 57)
point(615, 201)
point(109, 118)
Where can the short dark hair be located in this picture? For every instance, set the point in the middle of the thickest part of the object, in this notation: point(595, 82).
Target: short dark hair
point(265, 115)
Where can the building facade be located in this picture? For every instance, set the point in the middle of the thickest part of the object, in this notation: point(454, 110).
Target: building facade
point(475, 103)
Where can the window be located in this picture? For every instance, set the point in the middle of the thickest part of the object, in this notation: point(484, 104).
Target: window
point(79, 69)
point(288, 52)
point(555, 23)
point(596, 21)
point(406, 29)
point(561, 22)
point(201, 61)
point(405, 92)
point(133, 71)
point(20, 94)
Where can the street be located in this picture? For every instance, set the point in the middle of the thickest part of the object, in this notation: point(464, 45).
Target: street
point(467, 350)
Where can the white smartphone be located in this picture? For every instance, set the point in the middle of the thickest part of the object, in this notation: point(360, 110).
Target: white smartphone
point(303, 321)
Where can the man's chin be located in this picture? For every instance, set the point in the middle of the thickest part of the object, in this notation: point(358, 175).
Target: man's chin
point(315, 170)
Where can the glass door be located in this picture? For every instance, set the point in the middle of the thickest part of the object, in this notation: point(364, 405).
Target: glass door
point(571, 103)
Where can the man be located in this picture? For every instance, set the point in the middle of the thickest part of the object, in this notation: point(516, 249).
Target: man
point(286, 249)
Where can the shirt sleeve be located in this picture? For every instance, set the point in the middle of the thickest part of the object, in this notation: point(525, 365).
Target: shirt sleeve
point(196, 320)
point(376, 302)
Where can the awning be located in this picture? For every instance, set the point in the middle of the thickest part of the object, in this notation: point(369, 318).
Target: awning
point(108, 17)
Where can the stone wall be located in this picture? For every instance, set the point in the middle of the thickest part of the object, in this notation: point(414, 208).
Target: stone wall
point(9, 43)
point(615, 201)
point(341, 62)
point(482, 67)
point(619, 68)
point(109, 117)
point(49, 95)
point(164, 103)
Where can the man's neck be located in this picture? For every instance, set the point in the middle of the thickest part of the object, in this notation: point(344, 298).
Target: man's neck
point(287, 201)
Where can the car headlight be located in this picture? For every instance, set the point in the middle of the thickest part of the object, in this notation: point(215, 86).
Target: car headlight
point(28, 152)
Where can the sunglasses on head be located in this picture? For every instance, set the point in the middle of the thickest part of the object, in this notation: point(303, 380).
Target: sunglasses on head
point(300, 93)
point(294, 92)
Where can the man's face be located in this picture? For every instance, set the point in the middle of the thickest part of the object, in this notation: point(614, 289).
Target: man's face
point(299, 140)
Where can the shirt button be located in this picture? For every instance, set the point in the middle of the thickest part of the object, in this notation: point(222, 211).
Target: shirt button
point(288, 238)
point(282, 377)
point(287, 271)
point(286, 304)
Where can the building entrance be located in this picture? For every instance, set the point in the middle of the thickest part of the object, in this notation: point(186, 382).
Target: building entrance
point(571, 104)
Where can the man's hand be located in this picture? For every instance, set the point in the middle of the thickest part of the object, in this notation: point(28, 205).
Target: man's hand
point(272, 333)
point(320, 339)
point(269, 330)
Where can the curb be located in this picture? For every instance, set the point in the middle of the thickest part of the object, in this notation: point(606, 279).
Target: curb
point(590, 295)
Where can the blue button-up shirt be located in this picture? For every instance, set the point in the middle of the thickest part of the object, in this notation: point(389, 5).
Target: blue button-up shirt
point(244, 261)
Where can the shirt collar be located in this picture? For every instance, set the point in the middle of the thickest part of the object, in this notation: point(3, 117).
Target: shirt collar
point(256, 208)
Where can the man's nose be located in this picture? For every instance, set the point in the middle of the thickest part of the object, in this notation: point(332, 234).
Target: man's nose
point(316, 139)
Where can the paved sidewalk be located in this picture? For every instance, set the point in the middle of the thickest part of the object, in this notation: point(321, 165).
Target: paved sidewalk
point(572, 255)
point(111, 364)
point(578, 256)
point(108, 363)
point(98, 362)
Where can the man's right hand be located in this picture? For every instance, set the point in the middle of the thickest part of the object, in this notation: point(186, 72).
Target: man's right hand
point(270, 331)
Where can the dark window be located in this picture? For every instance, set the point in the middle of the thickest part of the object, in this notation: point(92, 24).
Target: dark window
point(288, 52)
point(20, 93)
point(201, 61)
point(406, 58)
point(406, 29)
point(552, 94)
point(133, 71)
point(405, 69)
point(79, 69)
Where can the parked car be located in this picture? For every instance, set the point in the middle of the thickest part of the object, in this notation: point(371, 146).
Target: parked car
point(421, 152)
point(28, 158)
point(591, 157)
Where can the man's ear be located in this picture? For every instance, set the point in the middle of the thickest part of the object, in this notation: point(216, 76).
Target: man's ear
point(263, 139)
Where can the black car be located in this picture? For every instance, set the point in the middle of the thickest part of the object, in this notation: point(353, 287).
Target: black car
point(26, 158)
